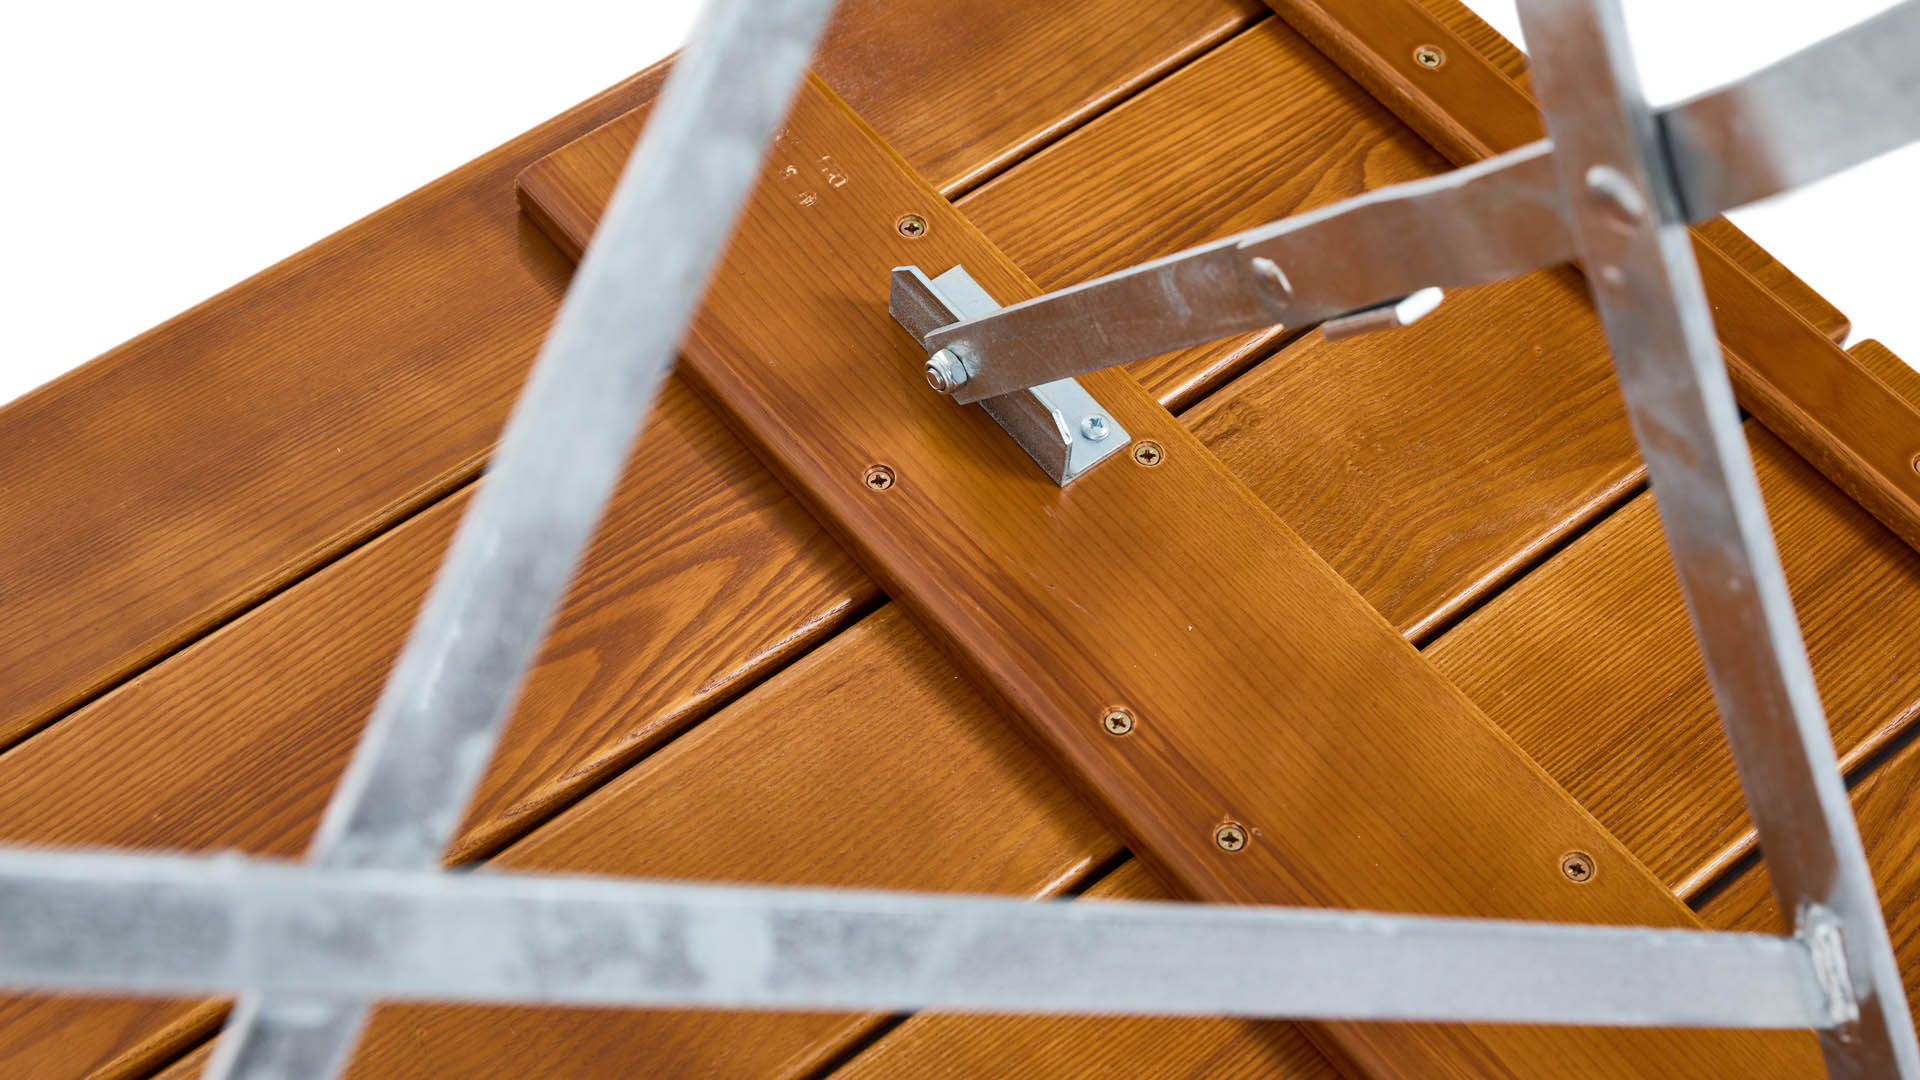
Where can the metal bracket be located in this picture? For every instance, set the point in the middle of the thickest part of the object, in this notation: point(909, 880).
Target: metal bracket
point(1058, 424)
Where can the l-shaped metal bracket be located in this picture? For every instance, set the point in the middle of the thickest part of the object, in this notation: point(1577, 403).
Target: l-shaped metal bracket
point(1058, 424)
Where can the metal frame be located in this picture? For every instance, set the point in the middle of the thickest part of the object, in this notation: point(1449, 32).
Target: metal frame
point(370, 917)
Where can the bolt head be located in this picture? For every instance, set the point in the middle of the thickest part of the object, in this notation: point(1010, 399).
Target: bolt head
point(945, 372)
point(1230, 836)
point(1095, 428)
point(1117, 721)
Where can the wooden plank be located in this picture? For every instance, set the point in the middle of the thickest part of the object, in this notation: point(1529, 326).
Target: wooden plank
point(1890, 369)
point(965, 90)
point(192, 472)
point(1064, 603)
point(1605, 688)
point(1796, 380)
point(635, 656)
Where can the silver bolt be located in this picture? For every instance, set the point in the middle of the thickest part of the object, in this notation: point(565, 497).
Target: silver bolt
point(1094, 428)
point(945, 372)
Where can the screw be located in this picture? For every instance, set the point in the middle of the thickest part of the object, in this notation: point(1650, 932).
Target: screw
point(913, 226)
point(1429, 56)
point(879, 478)
point(946, 371)
point(1577, 866)
point(1230, 837)
point(1148, 453)
point(1118, 721)
point(1916, 463)
point(1094, 428)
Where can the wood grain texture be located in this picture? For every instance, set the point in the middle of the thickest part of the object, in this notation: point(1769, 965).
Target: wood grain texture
point(1605, 688)
point(1064, 602)
point(1806, 390)
point(1899, 376)
point(996, 81)
point(194, 471)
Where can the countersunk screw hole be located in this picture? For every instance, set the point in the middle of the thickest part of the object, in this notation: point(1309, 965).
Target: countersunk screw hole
point(1915, 463)
point(913, 226)
point(1230, 837)
point(879, 478)
point(1577, 866)
point(1429, 56)
point(1148, 453)
point(1117, 721)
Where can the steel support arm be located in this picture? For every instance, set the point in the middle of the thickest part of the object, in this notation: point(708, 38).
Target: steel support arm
point(1835, 104)
point(190, 925)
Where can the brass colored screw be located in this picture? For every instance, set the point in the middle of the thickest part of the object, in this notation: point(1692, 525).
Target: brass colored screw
point(1148, 453)
point(1916, 463)
point(1230, 837)
point(1429, 56)
point(1577, 866)
point(913, 226)
point(879, 478)
point(1117, 721)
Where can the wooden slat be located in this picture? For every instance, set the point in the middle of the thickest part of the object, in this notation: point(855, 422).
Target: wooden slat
point(1890, 369)
point(1066, 602)
point(1797, 381)
point(1605, 688)
point(197, 753)
point(964, 90)
point(188, 474)
point(609, 702)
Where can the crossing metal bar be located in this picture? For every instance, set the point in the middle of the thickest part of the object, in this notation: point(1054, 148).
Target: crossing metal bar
point(190, 925)
point(1833, 105)
point(1625, 211)
point(456, 681)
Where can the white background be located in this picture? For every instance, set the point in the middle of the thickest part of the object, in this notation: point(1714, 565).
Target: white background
point(160, 152)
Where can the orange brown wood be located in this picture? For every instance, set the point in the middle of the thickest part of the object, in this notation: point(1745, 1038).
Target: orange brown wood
point(1847, 423)
point(582, 684)
point(189, 474)
point(1069, 602)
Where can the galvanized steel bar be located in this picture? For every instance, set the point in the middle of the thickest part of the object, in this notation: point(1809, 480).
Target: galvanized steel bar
point(1830, 106)
point(188, 925)
point(1625, 211)
point(440, 716)
point(1833, 105)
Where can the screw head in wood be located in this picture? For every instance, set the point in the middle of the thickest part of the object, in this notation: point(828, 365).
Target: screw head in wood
point(1429, 56)
point(912, 226)
point(1230, 836)
point(1117, 721)
point(1148, 454)
point(1577, 866)
point(1915, 463)
point(879, 478)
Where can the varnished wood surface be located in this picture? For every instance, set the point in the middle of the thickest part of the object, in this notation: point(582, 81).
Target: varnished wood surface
point(615, 579)
point(1831, 411)
point(1604, 686)
point(170, 484)
point(992, 82)
point(1065, 603)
